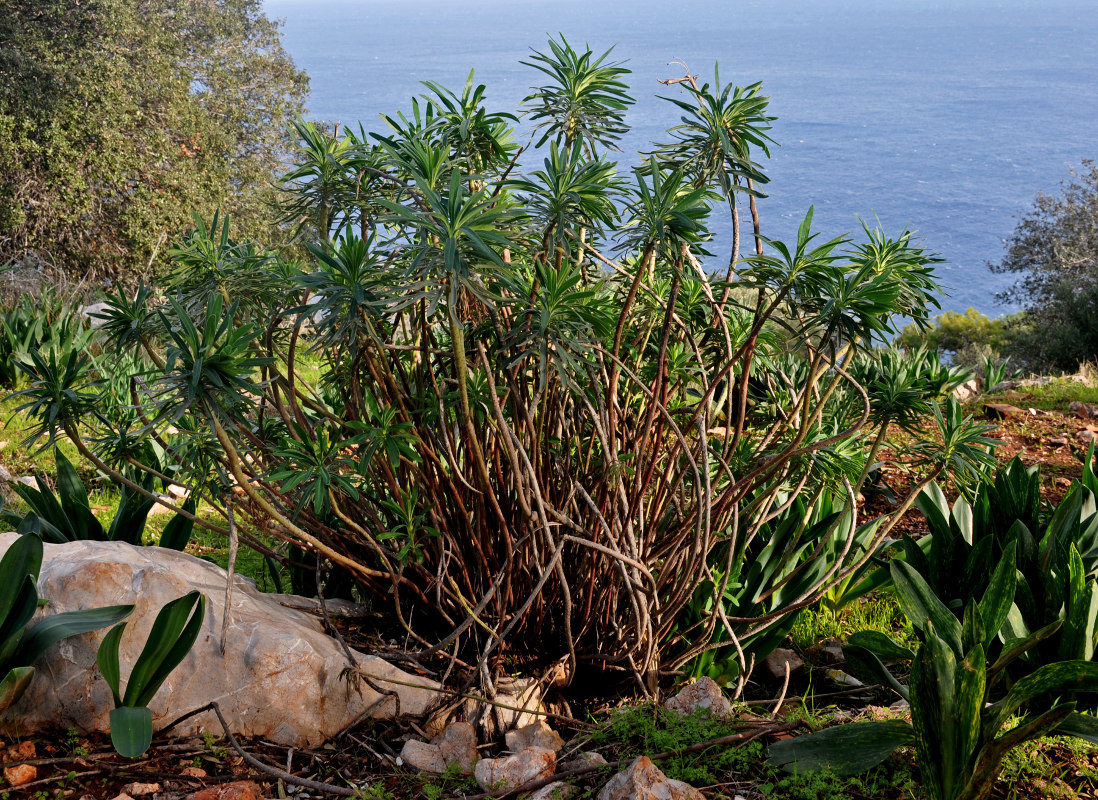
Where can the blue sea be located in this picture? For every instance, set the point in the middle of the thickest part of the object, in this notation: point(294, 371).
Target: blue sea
point(942, 117)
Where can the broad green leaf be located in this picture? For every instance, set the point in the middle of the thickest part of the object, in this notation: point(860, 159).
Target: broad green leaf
point(934, 716)
point(999, 596)
point(970, 696)
point(45, 632)
point(177, 533)
point(845, 749)
point(1014, 648)
point(131, 730)
point(1061, 678)
point(884, 647)
point(173, 634)
point(23, 558)
point(864, 664)
point(74, 501)
point(922, 607)
point(1081, 726)
point(1077, 635)
point(13, 686)
point(15, 621)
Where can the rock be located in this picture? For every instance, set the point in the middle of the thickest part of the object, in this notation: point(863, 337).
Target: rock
point(192, 772)
point(140, 789)
point(643, 780)
point(20, 774)
point(967, 391)
point(840, 678)
point(493, 719)
point(1086, 436)
point(558, 790)
point(122, 796)
point(456, 745)
point(1082, 410)
point(1001, 410)
point(237, 790)
point(1003, 386)
point(29, 480)
point(588, 758)
point(1057, 441)
point(5, 476)
point(702, 695)
point(281, 678)
point(827, 653)
point(537, 735)
point(531, 764)
point(24, 751)
point(88, 312)
point(776, 663)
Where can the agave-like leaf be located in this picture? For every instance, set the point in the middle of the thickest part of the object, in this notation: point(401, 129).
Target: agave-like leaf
point(883, 646)
point(845, 749)
point(1063, 677)
point(933, 716)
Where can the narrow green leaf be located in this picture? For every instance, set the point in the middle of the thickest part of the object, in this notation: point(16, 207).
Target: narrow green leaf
point(1081, 726)
point(107, 660)
point(970, 693)
point(865, 665)
point(15, 621)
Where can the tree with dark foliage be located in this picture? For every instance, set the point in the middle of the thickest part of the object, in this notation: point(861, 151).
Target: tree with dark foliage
point(121, 118)
point(1055, 250)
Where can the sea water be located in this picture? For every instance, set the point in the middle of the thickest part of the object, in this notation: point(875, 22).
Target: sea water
point(941, 117)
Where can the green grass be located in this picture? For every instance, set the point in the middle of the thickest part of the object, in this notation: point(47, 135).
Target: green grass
point(876, 613)
point(1055, 395)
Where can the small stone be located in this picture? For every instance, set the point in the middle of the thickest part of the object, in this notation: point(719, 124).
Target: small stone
point(1083, 410)
point(20, 774)
point(537, 735)
point(24, 751)
point(192, 772)
point(122, 796)
point(702, 695)
point(777, 662)
point(967, 391)
point(840, 678)
point(29, 480)
point(237, 790)
point(456, 746)
point(5, 476)
point(643, 780)
point(1057, 441)
point(828, 652)
point(558, 790)
point(1003, 386)
point(527, 765)
point(140, 789)
point(1086, 436)
point(588, 758)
